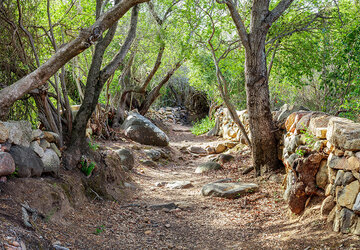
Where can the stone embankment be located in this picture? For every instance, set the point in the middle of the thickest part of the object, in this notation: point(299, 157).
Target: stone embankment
point(25, 152)
point(321, 155)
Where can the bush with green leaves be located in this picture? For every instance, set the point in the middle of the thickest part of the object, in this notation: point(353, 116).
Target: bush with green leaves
point(203, 126)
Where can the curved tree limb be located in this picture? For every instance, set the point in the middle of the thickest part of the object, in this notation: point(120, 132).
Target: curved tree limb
point(278, 11)
point(240, 27)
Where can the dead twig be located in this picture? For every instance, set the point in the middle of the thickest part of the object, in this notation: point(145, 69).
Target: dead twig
point(248, 170)
point(96, 194)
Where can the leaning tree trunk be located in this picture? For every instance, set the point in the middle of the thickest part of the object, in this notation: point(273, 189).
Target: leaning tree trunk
point(264, 151)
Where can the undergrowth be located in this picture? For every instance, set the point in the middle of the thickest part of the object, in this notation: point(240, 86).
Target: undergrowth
point(202, 126)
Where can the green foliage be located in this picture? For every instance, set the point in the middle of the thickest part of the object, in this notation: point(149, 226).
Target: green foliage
point(202, 126)
point(93, 145)
point(310, 139)
point(87, 168)
point(99, 230)
point(300, 152)
point(319, 67)
point(202, 73)
point(15, 173)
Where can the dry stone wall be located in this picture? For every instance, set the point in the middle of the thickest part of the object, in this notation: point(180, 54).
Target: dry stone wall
point(321, 155)
point(175, 115)
point(25, 152)
point(227, 128)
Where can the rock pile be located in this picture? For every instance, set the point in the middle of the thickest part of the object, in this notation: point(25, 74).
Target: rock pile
point(26, 152)
point(175, 115)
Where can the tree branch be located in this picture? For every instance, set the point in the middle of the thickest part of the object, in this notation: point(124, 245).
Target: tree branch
point(154, 69)
point(305, 28)
point(119, 58)
point(155, 92)
point(86, 37)
point(240, 27)
point(154, 14)
point(278, 11)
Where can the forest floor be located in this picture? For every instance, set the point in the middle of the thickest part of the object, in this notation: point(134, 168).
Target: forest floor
point(258, 220)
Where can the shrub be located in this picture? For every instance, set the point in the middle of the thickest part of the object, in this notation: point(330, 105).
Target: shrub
point(202, 126)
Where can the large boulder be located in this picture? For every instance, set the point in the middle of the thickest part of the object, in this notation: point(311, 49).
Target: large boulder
point(51, 162)
point(27, 162)
point(20, 132)
point(228, 190)
point(141, 130)
point(7, 164)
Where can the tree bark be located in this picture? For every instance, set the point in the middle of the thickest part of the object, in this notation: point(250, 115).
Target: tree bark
point(95, 82)
point(39, 76)
point(264, 145)
point(264, 150)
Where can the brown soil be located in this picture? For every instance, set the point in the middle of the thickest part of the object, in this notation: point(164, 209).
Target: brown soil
point(259, 220)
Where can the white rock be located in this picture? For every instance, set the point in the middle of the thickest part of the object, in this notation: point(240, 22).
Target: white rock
point(179, 185)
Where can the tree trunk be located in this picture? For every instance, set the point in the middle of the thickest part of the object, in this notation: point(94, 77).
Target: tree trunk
point(95, 82)
point(257, 90)
point(264, 150)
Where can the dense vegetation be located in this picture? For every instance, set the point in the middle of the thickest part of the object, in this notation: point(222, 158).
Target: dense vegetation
point(163, 49)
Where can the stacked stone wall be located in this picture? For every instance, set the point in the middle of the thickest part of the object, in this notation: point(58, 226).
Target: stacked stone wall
point(321, 155)
point(25, 152)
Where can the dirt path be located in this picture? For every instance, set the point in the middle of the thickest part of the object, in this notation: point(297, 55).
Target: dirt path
point(256, 221)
